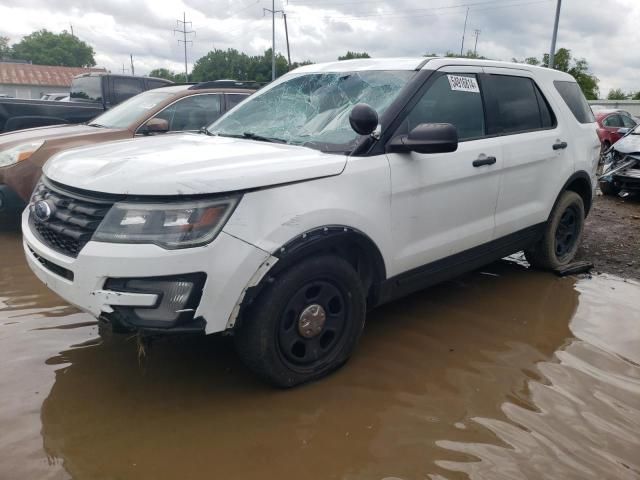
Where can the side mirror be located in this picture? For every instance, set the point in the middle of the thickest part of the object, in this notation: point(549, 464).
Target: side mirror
point(426, 138)
point(623, 131)
point(363, 119)
point(155, 125)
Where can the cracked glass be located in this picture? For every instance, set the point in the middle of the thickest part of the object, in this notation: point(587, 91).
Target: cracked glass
point(312, 109)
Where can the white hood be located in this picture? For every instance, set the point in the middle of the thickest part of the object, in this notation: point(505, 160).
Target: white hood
point(628, 144)
point(186, 164)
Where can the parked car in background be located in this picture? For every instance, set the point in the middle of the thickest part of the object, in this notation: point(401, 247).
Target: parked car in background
point(55, 96)
point(336, 188)
point(90, 95)
point(165, 109)
point(610, 123)
point(621, 169)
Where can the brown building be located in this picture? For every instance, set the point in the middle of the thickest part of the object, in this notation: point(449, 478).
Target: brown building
point(25, 80)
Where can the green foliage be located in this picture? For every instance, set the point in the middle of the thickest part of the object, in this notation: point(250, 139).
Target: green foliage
point(352, 55)
point(232, 64)
point(636, 96)
point(168, 75)
point(578, 68)
point(47, 48)
point(5, 49)
point(450, 54)
point(616, 94)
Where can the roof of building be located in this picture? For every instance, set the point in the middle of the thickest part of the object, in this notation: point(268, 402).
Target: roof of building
point(47, 75)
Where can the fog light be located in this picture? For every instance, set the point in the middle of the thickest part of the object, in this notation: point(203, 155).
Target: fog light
point(175, 295)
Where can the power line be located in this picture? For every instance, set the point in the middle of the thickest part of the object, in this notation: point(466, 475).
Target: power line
point(416, 13)
point(475, 47)
point(184, 40)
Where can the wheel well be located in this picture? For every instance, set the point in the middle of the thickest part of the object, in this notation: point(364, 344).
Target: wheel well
point(350, 244)
point(581, 184)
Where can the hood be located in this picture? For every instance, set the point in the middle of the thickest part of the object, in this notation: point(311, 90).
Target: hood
point(188, 164)
point(53, 132)
point(628, 144)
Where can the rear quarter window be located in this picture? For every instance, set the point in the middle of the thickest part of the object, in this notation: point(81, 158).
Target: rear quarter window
point(574, 98)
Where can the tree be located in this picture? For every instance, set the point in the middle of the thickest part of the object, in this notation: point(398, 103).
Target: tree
point(351, 55)
point(636, 96)
point(617, 94)
point(578, 68)
point(5, 49)
point(47, 48)
point(450, 54)
point(221, 64)
point(167, 74)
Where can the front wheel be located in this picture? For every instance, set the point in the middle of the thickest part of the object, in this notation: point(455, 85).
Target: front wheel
point(562, 234)
point(305, 324)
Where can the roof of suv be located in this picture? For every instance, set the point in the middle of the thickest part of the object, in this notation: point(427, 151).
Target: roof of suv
point(419, 63)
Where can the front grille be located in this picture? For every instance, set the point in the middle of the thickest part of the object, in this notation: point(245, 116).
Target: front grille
point(72, 221)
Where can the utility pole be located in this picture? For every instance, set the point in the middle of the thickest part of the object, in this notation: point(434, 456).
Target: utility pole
point(273, 12)
point(464, 31)
point(133, 72)
point(183, 30)
point(124, 70)
point(71, 25)
point(552, 53)
point(475, 47)
point(286, 34)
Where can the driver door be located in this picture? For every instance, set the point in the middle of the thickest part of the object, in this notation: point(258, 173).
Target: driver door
point(444, 203)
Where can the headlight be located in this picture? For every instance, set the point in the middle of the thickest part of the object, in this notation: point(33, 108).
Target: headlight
point(18, 153)
point(169, 225)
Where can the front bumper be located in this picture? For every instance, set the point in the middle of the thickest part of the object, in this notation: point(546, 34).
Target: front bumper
point(229, 265)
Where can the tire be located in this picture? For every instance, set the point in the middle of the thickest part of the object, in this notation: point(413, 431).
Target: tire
point(272, 338)
point(562, 234)
point(608, 188)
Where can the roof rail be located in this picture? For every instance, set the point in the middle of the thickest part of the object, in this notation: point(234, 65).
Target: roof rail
point(249, 84)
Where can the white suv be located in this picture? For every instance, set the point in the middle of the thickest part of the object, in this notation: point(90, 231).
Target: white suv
point(336, 188)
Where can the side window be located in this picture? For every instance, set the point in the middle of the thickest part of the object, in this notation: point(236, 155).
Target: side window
point(517, 102)
point(194, 112)
point(234, 99)
point(628, 122)
point(124, 88)
point(613, 121)
point(574, 98)
point(447, 102)
point(151, 84)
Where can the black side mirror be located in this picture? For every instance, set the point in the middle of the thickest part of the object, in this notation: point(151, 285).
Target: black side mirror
point(426, 138)
point(623, 131)
point(363, 119)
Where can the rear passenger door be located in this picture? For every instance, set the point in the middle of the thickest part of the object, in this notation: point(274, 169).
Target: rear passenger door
point(443, 204)
point(193, 112)
point(534, 146)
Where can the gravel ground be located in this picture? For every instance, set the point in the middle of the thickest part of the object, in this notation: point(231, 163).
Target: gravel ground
point(612, 236)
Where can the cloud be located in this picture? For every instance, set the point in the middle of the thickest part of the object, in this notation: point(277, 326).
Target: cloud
point(321, 30)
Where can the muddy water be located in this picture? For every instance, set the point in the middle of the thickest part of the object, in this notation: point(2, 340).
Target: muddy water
point(504, 373)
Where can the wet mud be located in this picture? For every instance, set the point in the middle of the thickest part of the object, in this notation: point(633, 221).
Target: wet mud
point(500, 374)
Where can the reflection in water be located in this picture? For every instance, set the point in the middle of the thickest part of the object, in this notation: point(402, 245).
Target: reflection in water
point(511, 374)
point(426, 363)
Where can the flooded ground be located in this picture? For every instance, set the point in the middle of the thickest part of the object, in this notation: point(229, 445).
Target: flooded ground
point(501, 374)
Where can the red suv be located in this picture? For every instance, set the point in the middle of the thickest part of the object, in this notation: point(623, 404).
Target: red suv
point(609, 124)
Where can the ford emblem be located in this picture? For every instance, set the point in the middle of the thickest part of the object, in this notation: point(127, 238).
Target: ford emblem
point(42, 210)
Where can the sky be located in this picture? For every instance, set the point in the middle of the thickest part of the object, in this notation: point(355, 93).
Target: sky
point(321, 30)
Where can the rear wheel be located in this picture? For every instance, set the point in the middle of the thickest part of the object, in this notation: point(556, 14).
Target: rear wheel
point(562, 234)
point(305, 324)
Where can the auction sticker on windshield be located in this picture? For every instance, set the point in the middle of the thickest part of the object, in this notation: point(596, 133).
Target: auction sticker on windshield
point(463, 84)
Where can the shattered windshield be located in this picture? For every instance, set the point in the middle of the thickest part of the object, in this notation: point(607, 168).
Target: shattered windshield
point(312, 109)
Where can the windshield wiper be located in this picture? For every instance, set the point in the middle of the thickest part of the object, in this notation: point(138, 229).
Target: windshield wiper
point(97, 125)
point(260, 138)
point(205, 131)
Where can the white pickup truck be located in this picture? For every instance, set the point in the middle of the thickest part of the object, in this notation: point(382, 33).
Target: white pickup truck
point(336, 188)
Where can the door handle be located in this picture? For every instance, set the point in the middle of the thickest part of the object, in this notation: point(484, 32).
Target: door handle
point(484, 161)
point(560, 146)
